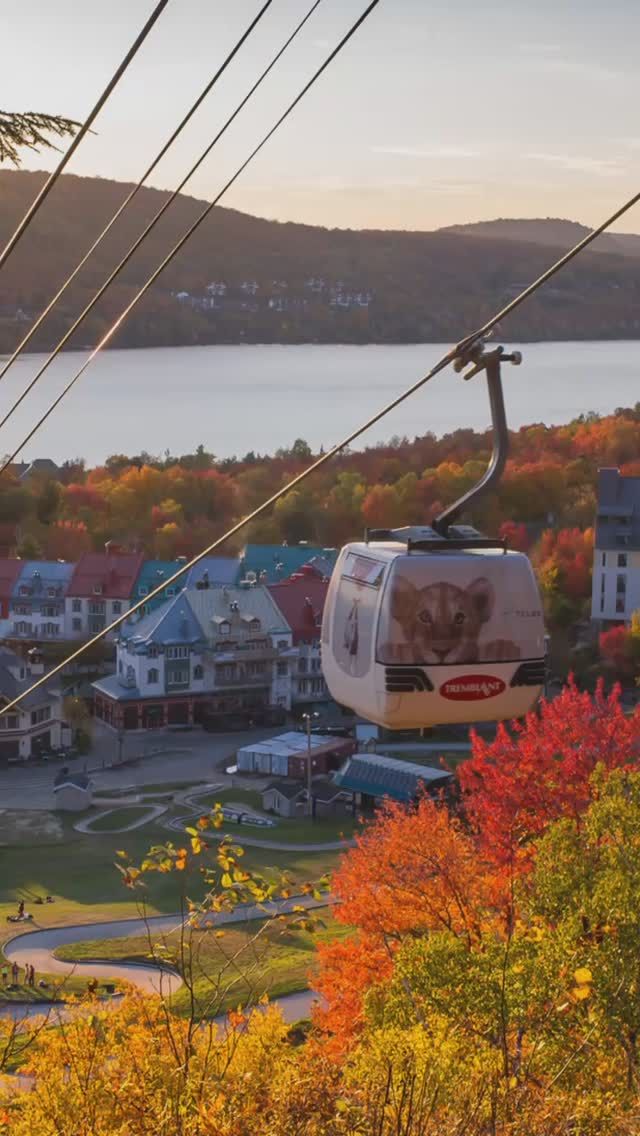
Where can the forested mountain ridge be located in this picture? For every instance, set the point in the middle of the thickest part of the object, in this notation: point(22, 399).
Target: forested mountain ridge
point(245, 279)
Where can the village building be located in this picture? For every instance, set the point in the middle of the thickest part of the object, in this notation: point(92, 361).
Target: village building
point(372, 777)
point(37, 603)
point(35, 725)
point(101, 588)
point(288, 755)
point(207, 652)
point(301, 600)
point(72, 792)
point(271, 563)
point(616, 555)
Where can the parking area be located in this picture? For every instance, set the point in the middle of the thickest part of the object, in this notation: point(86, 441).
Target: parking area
point(158, 757)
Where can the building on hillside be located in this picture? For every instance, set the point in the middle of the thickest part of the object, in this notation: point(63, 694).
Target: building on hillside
point(152, 573)
point(271, 563)
point(208, 652)
point(35, 725)
point(9, 572)
point(616, 557)
point(39, 467)
point(213, 571)
point(289, 798)
point(37, 605)
point(301, 600)
point(288, 755)
point(101, 588)
point(373, 776)
point(72, 792)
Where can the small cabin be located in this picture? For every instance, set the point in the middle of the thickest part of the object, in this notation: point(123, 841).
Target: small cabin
point(73, 792)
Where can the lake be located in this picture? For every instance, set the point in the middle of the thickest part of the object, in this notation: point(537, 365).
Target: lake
point(236, 399)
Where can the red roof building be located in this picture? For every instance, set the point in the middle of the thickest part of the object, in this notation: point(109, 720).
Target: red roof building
point(100, 590)
point(301, 600)
point(9, 572)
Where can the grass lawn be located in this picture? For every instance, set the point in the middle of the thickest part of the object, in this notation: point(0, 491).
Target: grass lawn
point(79, 872)
point(118, 818)
point(58, 988)
point(239, 967)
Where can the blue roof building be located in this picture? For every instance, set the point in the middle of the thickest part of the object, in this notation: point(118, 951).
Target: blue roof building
point(216, 570)
point(375, 775)
point(270, 563)
point(36, 606)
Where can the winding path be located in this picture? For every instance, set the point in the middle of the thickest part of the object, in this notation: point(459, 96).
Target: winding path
point(38, 947)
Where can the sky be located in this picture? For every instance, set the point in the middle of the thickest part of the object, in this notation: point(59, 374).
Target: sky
point(438, 112)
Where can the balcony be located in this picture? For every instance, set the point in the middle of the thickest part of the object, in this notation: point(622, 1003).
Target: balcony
point(243, 680)
point(227, 653)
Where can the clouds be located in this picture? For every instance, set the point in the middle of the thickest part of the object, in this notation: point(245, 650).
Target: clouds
point(581, 164)
point(431, 152)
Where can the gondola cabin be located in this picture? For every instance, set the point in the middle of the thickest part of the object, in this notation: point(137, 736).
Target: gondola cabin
point(419, 631)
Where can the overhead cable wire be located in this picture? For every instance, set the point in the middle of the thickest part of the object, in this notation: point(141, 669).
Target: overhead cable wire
point(241, 524)
point(84, 129)
point(127, 201)
point(139, 240)
point(462, 346)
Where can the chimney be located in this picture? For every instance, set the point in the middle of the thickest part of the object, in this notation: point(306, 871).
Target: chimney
point(36, 661)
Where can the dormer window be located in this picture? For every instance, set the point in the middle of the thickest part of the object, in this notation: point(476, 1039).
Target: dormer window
point(255, 625)
point(224, 629)
point(24, 590)
point(97, 589)
point(51, 591)
point(143, 590)
point(152, 651)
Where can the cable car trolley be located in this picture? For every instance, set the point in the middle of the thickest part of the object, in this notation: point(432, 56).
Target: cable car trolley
point(435, 624)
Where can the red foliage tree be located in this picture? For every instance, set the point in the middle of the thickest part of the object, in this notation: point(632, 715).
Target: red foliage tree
point(540, 770)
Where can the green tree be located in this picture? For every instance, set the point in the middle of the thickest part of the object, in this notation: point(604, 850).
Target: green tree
point(77, 716)
point(48, 502)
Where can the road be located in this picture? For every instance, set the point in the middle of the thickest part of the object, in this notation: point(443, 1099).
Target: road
point(38, 947)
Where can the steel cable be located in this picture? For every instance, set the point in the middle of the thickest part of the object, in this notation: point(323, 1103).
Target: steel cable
point(120, 210)
point(462, 346)
point(176, 248)
point(84, 129)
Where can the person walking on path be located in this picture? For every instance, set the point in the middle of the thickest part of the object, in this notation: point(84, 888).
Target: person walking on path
point(15, 974)
point(21, 909)
point(32, 976)
point(5, 975)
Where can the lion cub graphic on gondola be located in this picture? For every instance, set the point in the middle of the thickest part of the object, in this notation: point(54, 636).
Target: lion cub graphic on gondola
point(443, 623)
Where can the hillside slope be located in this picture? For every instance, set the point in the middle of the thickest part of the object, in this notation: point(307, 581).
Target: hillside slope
point(244, 279)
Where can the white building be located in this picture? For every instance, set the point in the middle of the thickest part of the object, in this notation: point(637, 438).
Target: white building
point(616, 558)
point(215, 650)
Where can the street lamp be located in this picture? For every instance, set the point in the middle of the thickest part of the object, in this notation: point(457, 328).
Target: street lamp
point(307, 718)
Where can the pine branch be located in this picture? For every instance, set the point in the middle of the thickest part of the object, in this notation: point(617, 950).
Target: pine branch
point(31, 131)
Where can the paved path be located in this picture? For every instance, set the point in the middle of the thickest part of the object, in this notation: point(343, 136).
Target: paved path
point(38, 947)
point(148, 812)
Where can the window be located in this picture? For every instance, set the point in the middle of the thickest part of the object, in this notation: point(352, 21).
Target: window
point(49, 629)
point(177, 652)
point(49, 609)
point(602, 584)
point(41, 715)
point(97, 589)
point(152, 651)
point(152, 674)
point(178, 675)
point(143, 590)
point(76, 625)
point(621, 584)
point(76, 605)
point(283, 669)
point(604, 559)
point(120, 666)
point(198, 671)
point(96, 608)
point(22, 609)
point(224, 629)
point(22, 627)
point(602, 603)
point(254, 625)
point(302, 666)
point(51, 591)
point(282, 644)
point(170, 591)
point(24, 591)
point(116, 607)
point(9, 722)
point(620, 604)
point(622, 560)
point(227, 672)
